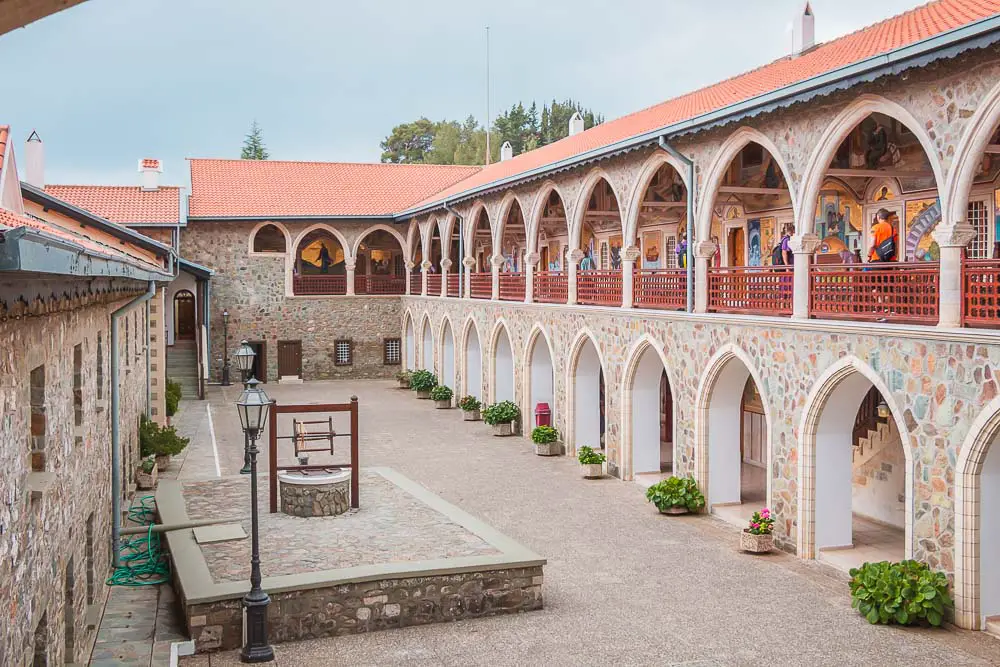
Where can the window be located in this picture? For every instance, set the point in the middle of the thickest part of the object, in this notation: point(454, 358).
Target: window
point(979, 247)
point(392, 352)
point(37, 440)
point(269, 239)
point(78, 384)
point(671, 255)
point(343, 353)
point(605, 258)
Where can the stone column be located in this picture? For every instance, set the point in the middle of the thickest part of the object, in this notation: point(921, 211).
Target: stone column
point(425, 266)
point(530, 262)
point(951, 296)
point(469, 263)
point(573, 258)
point(629, 257)
point(445, 265)
point(803, 246)
point(409, 271)
point(350, 265)
point(496, 261)
point(703, 253)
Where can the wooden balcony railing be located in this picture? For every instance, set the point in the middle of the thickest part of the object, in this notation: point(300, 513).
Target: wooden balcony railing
point(379, 285)
point(660, 288)
point(453, 284)
point(512, 286)
point(433, 284)
point(884, 292)
point(481, 285)
point(319, 285)
point(415, 282)
point(599, 288)
point(981, 287)
point(759, 290)
point(551, 287)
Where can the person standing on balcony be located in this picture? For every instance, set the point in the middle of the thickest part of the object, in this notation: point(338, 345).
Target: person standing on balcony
point(681, 249)
point(884, 239)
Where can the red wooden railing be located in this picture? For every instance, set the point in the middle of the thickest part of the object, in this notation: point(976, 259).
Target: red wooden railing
point(892, 291)
point(981, 287)
point(415, 281)
point(660, 288)
point(379, 285)
point(551, 287)
point(599, 288)
point(433, 284)
point(481, 285)
point(453, 284)
point(761, 290)
point(512, 286)
point(316, 285)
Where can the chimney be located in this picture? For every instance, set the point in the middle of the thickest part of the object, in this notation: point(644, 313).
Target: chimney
point(34, 161)
point(506, 151)
point(149, 173)
point(804, 31)
point(576, 124)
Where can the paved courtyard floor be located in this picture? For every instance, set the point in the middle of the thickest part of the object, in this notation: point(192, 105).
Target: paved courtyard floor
point(623, 584)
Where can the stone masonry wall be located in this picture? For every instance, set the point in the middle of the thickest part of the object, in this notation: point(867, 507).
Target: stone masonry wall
point(374, 605)
point(40, 536)
point(253, 289)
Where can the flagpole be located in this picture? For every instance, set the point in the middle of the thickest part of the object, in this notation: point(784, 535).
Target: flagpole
point(487, 95)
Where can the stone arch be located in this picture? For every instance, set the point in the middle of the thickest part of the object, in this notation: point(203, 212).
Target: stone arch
point(378, 226)
point(426, 342)
point(412, 238)
point(539, 386)
point(446, 353)
point(834, 135)
point(975, 458)
point(473, 221)
point(840, 387)
point(720, 391)
point(322, 226)
point(647, 171)
point(410, 342)
point(446, 229)
point(505, 206)
point(969, 154)
point(583, 423)
point(261, 225)
point(631, 407)
point(503, 365)
point(472, 359)
point(596, 175)
point(534, 218)
point(727, 152)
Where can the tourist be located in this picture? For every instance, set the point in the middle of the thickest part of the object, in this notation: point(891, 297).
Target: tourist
point(681, 249)
point(883, 249)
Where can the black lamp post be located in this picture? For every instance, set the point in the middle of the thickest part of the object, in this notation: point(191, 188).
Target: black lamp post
point(244, 362)
point(253, 407)
point(225, 344)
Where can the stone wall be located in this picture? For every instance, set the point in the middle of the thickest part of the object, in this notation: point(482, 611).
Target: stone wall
point(62, 513)
point(253, 288)
point(373, 605)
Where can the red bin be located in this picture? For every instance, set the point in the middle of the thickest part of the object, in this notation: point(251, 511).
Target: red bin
point(543, 415)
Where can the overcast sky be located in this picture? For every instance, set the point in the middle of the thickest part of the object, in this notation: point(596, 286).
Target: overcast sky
point(111, 81)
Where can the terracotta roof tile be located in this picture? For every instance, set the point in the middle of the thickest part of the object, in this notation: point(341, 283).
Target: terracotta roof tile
point(125, 205)
point(262, 188)
point(915, 25)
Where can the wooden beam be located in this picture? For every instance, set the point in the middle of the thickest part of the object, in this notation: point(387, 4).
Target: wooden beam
point(992, 148)
point(737, 190)
point(876, 173)
point(664, 204)
point(602, 215)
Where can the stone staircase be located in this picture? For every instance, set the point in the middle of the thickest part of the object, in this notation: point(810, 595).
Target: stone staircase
point(866, 447)
point(182, 366)
point(993, 626)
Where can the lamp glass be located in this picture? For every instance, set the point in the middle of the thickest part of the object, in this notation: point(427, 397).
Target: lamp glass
point(253, 406)
point(243, 357)
point(883, 410)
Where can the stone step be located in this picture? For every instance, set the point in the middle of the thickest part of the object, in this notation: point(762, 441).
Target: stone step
point(993, 626)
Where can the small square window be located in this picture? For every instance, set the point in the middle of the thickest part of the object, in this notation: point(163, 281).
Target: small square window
point(392, 352)
point(343, 353)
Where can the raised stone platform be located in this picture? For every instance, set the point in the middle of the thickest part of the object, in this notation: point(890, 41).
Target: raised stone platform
point(406, 557)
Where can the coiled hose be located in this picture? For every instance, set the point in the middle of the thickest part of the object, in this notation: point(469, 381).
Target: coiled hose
point(141, 561)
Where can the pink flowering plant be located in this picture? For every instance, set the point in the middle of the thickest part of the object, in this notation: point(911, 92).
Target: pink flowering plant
point(761, 522)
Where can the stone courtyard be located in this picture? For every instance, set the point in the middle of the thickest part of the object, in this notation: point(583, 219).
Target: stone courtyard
point(623, 585)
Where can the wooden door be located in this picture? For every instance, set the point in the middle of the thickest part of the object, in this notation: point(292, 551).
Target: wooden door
point(289, 358)
point(666, 425)
point(184, 320)
point(736, 243)
point(259, 367)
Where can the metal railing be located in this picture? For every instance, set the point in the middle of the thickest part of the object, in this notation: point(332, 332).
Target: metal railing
point(660, 288)
point(758, 290)
point(883, 292)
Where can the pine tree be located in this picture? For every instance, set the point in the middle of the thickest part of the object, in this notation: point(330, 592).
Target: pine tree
point(253, 145)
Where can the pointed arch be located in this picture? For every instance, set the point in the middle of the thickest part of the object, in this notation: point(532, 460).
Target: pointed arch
point(834, 135)
point(412, 238)
point(596, 175)
point(637, 351)
point(378, 226)
point(409, 341)
point(534, 220)
point(446, 353)
point(727, 152)
point(322, 226)
point(536, 336)
point(630, 222)
point(446, 228)
point(471, 359)
point(819, 397)
point(499, 375)
point(426, 327)
point(969, 154)
point(472, 222)
point(574, 416)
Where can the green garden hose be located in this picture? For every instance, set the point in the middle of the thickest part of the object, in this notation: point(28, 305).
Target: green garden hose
point(141, 561)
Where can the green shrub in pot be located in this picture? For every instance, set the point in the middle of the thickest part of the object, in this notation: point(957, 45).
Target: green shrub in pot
point(504, 412)
point(676, 492)
point(904, 593)
point(544, 435)
point(469, 403)
point(422, 380)
point(441, 393)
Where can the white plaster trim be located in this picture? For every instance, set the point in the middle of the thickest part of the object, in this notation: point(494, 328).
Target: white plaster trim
point(491, 384)
point(425, 327)
point(572, 361)
point(645, 343)
point(253, 236)
point(461, 359)
point(537, 331)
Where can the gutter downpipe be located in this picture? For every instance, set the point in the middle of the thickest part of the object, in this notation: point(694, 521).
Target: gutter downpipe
point(690, 217)
point(461, 247)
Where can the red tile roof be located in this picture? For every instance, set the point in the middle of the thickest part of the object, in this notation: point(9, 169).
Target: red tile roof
point(915, 25)
point(263, 188)
point(125, 205)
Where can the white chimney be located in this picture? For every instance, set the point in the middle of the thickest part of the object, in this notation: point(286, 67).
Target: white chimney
point(804, 31)
point(34, 161)
point(149, 173)
point(576, 124)
point(506, 151)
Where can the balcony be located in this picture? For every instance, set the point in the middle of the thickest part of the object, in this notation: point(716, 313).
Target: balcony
point(415, 283)
point(753, 290)
point(981, 287)
point(551, 287)
point(664, 289)
point(324, 285)
point(890, 292)
point(481, 285)
point(453, 284)
point(512, 286)
point(433, 284)
point(599, 288)
point(380, 285)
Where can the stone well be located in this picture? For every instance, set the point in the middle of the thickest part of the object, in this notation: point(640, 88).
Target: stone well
point(315, 492)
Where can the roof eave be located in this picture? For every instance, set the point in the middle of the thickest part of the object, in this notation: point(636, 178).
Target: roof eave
point(288, 218)
point(194, 268)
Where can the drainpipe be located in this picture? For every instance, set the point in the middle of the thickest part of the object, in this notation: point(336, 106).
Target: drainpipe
point(690, 218)
point(461, 247)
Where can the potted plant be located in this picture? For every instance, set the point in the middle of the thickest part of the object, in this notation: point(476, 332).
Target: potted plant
point(501, 416)
point(145, 474)
point(162, 442)
point(441, 395)
point(172, 398)
point(591, 462)
point(906, 593)
point(403, 378)
point(758, 537)
point(422, 382)
point(470, 408)
point(676, 495)
point(546, 441)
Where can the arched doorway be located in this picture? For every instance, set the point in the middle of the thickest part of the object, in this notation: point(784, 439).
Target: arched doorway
point(185, 321)
point(550, 238)
point(480, 249)
point(503, 367)
point(427, 351)
point(541, 376)
point(380, 267)
point(447, 356)
point(512, 240)
point(588, 397)
point(411, 351)
point(651, 427)
point(473, 372)
point(659, 232)
point(599, 237)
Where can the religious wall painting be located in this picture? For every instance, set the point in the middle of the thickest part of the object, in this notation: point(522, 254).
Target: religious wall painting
point(381, 262)
point(510, 259)
point(615, 252)
point(322, 255)
point(883, 193)
point(588, 244)
point(651, 250)
point(839, 221)
point(753, 242)
point(767, 239)
point(555, 256)
point(922, 216)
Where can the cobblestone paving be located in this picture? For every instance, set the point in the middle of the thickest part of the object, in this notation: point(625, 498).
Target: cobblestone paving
point(623, 585)
point(390, 526)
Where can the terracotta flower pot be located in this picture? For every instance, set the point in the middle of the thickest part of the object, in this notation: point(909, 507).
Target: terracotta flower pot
point(162, 462)
point(503, 430)
point(471, 415)
point(592, 470)
point(675, 509)
point(757, 544)
point(424, 394)
point(443, 405)
point(549, 449)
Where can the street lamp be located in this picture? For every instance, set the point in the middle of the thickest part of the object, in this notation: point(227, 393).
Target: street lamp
point(225, 344)
point(253, 407)
point(244, 362)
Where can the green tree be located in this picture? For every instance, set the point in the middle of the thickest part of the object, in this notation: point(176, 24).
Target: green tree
point(555, 119)
point(253, 145)
point(409, 143)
